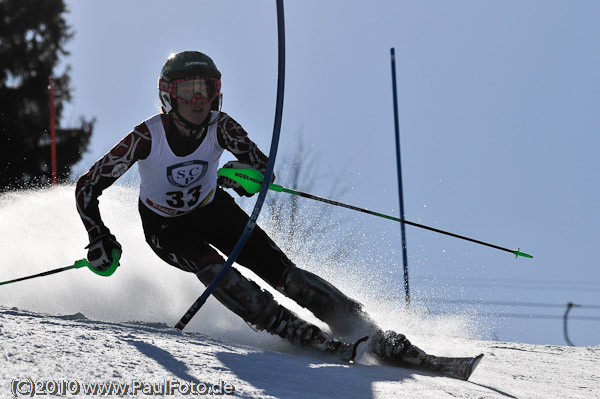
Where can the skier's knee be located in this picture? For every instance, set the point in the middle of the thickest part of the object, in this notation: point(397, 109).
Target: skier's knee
point(304, 286)
point(341, 313)
point(242, 296)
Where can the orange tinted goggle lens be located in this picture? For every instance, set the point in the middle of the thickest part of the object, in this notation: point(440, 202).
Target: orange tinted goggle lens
point(203, 89)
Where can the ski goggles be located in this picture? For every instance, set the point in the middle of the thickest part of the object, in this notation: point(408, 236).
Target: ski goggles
point(194, 89)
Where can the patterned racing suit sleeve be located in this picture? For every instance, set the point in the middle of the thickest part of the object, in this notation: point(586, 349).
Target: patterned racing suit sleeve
point(137, 145)
point(233, 138)
point(133, 147)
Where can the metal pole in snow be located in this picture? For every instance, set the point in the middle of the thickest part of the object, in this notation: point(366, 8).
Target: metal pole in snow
point(400, 193)
point(52, 131)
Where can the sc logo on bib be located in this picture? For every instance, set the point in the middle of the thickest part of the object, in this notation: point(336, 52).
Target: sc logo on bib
point(186, 173)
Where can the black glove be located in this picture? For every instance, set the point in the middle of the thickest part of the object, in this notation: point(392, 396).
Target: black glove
point(100, 248)
point(226, 182)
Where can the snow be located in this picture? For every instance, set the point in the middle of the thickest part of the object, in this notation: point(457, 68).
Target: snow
point(48, 347)
point(77, 326)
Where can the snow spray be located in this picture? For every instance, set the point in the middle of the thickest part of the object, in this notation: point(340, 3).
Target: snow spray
point(41, 229)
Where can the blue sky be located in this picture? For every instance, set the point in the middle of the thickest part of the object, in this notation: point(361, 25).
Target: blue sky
point(499, 124)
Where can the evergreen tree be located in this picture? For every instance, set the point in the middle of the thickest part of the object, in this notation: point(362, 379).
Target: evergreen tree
point(33, 35)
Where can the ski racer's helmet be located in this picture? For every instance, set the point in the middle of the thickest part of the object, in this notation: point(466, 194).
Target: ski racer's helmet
point(189, 76)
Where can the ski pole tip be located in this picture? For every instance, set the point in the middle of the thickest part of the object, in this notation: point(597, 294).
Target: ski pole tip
point(518, 253)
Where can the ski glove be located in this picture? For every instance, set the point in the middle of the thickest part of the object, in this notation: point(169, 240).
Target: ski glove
point(226, 182)
point(100, 249)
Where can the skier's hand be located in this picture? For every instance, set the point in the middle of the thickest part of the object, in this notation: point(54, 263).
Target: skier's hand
point(226, 182)
point(100, 249)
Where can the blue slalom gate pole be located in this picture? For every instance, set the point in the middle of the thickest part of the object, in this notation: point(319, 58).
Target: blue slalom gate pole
point(265, 185)
point(399, 165)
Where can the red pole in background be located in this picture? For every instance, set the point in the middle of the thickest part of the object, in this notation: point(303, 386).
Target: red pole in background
point(52, 131)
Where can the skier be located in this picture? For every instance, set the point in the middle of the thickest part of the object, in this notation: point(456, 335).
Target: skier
point(186, 215)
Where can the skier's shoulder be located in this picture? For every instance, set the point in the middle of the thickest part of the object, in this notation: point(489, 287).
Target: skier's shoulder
point(140, 138)
point(152, 123)
point(146, 129)
point(229, 127)
point(225, 121)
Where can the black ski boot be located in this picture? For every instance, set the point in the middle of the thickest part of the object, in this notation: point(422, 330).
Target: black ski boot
point(262, 312)
point(395, 349)
point(299, 332)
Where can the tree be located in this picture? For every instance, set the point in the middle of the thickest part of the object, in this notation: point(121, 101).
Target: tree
point(33, 35)
point(303, 228)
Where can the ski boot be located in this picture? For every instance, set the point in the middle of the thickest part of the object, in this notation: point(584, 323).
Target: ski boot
point(395, 349)
point(299, 332)
point(262, 312)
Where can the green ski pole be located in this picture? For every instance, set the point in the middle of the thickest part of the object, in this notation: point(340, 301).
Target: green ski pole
point(251, 179)
point(78, 264)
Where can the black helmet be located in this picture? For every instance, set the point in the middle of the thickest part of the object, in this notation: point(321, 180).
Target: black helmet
point(186, 64)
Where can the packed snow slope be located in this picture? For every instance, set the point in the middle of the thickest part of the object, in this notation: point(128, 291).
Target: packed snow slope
point(76, 326)
point(71, 348)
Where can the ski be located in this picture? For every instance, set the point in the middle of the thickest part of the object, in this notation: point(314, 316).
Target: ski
point(454, 367)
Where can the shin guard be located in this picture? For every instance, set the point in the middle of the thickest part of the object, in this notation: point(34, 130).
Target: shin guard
point(343, 315)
